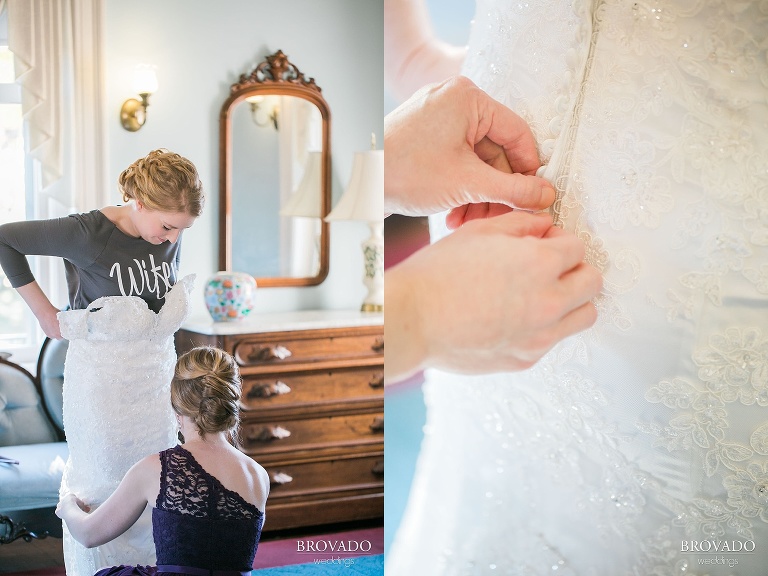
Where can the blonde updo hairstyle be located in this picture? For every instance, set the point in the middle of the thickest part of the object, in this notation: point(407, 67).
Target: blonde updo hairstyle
point(163, 181)
point(206, 388)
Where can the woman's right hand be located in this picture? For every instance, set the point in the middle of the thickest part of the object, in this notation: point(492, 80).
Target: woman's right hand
point(44, 311)
point(49, 322)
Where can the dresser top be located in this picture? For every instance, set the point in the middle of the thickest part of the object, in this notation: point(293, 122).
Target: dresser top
point(285, 321)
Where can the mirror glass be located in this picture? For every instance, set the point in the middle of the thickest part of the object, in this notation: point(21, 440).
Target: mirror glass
point(275, 181)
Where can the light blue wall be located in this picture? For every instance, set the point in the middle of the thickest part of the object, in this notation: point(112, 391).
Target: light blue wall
point(200, 48)
point(450, 20)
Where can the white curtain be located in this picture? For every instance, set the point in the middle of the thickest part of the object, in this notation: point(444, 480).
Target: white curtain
point(59, 63)
point(58, 52)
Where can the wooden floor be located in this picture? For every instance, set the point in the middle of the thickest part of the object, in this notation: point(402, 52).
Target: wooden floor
point(20, 555)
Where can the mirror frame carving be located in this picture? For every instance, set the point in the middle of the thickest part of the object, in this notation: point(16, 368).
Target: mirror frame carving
point(276, 75)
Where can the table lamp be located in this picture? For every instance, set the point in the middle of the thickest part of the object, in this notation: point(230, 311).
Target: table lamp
point(363, 200)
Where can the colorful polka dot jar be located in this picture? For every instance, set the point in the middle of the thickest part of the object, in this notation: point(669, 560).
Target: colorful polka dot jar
point(230, 296)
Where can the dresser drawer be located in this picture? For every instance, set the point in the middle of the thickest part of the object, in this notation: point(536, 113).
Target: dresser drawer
point(261, 438)
point(311, 388)
point(308, 347)
point(315, 477)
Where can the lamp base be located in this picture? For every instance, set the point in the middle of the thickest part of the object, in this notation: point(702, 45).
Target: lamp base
point(373, 253)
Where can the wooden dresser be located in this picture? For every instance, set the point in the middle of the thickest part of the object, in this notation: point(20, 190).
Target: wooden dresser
point(313, 409)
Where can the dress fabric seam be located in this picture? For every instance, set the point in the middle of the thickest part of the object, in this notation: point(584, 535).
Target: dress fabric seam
point(561, 180)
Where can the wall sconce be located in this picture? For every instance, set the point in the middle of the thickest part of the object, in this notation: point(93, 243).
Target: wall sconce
point(262, 117)
point(133, 114)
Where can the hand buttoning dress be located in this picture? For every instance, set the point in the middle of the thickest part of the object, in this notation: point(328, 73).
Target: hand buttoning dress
point(639, 447)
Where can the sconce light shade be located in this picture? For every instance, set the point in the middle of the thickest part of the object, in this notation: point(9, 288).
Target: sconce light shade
point(307, 200)
point(145, 79)
point(364, 200)
point(262, 117)
point(133, 113)
point(364, 197)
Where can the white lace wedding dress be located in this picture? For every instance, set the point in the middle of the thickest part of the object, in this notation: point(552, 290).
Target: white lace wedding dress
point(117, 409)
point(639, 447)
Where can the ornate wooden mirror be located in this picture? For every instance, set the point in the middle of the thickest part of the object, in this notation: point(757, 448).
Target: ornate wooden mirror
point(274, 176)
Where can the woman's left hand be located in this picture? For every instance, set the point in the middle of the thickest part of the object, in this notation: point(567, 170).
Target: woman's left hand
point(66, 503)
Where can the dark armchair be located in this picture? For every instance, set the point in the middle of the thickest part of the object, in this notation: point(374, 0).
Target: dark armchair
point(32, 447)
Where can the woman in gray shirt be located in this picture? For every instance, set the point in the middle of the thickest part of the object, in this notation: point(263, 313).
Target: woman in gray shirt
point(127, 250)
point(121, 262)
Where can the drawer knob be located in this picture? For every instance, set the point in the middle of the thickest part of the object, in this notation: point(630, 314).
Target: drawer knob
point(378, 424)
point(377, 380)
point(267, 389)
point(378, 469)
point(268, 433)
point(378, 344)
point(280, 478)
point(269, 353)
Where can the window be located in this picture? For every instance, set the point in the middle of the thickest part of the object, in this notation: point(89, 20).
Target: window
point(18, 328)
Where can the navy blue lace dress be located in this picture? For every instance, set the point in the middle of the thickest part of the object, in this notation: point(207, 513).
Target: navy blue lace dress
point(200, 528)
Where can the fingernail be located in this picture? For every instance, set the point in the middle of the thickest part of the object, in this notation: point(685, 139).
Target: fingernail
point(547, 195)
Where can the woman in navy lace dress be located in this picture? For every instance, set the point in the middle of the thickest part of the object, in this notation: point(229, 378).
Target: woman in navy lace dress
point(208, 498)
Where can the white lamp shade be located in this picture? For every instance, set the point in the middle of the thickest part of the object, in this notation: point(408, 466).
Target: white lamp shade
point(364, 197)
point(145, 79)
point(307, 200)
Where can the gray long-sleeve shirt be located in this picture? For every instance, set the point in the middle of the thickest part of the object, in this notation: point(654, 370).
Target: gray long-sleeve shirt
point(99, 259)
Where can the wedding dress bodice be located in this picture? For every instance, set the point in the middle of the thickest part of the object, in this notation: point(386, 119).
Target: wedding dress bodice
point(634, 445)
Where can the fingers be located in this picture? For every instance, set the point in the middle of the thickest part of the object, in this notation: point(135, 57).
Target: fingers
point(504, 154)
point(580, 285)
point(487, 184)
point(510, 132)
point(463, 214)
point(570, 250)
point(577, 290)
point(576, 321)
point(493, 155)
point(519, 224)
